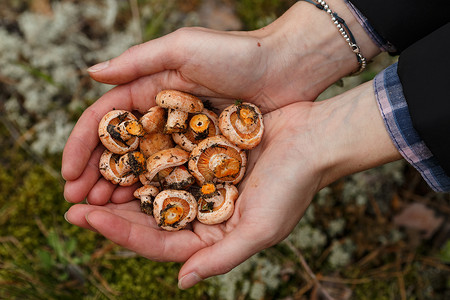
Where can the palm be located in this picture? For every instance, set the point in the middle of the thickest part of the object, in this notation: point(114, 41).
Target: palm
point(268, 208)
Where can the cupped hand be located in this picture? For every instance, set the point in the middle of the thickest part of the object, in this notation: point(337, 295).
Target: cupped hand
point(210, 63)
point(280, 182)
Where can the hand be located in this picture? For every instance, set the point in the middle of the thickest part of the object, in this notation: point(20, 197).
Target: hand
point(295, 58)
point(267, 210)
point(306, 146)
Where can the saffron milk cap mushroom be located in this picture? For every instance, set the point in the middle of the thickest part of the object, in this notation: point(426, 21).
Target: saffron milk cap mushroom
point(200, 126)
point(164, 159)
point(179, 105)
point(153, 142)
point(242, 124)
point(154, 119)
point(146, 194)
point(179, 178)
point(215, 159)
point(119, 131)
point(174, 209)
point(216, 203)
point(122, 169)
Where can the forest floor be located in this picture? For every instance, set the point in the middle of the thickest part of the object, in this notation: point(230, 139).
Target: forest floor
point(378, 234)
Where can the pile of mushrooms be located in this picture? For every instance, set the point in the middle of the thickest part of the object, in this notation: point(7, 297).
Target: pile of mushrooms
point(187, 159)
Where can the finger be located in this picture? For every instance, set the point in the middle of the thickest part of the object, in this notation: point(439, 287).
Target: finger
point(101, 192)
point(154, 244)
point(140, 60)
point(219, 258)
point(123, 194)
point(76, 215)
point(76, 191)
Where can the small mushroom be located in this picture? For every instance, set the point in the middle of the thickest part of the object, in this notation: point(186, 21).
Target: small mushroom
point(153, 142)
point(146, 194)
point(179, 178)
point(179, 104)
point(242, 124)
point(119, 131)
point(216, 203)
point(154, 119)
point(174, 209)
point(216, 159)
point(201, 125)
point(163, 159)
point(122, 169)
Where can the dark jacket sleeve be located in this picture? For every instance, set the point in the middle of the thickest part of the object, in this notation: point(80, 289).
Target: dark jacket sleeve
point(420, 30)
point(424, 71)
point(403, 22)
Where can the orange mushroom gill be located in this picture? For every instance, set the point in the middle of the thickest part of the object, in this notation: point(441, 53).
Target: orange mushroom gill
point(221, 162)
point(173, 211)
point(213, 203)
point(246, 128)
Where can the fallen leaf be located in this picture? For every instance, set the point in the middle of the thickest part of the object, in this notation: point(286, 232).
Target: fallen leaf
point(419, 217)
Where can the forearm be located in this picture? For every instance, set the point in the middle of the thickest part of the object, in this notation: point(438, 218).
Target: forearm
point(306, 38)
point(350, 134)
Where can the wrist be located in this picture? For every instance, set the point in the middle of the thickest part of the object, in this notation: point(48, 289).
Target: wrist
point(350, 134)
point(306, 37)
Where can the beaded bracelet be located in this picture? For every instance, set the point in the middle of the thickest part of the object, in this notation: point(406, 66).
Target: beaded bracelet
point(345, 32)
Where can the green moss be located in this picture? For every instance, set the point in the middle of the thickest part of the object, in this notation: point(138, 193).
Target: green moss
point(139, 278)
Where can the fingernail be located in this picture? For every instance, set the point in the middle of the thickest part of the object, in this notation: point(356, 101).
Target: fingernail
point(65, 218)
point(188, 281)
point(98, 67)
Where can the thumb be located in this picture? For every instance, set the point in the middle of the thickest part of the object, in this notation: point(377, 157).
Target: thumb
point(140, 60)
point(218, 259)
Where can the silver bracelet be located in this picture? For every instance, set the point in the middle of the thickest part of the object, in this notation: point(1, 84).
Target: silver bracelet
point(345, 32)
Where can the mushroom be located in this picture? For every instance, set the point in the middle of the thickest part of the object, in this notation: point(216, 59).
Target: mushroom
point(146, 194)
point(216, 203)
point(179, 104)
point(154, 119)
point(153, 142)
point(163, 159)
point(179, 178)
point(242, 124)
point(201, 126)
point(216, 159)
point(119, 131)
point(122, 169)
point(174, 209)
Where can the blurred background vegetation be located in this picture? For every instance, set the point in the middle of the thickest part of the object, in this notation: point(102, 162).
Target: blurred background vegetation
point(379, 234)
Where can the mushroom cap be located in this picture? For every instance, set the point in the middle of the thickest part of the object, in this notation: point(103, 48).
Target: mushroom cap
point(153, 142)
point(179, 101)
point(215, 159)
point(109, 166)
point(146, 190)
point(154, 119)
point(163, 159)
point(112, 142)
point(178, 179)
point(242, 124)
point(174, 209)
point(188, 140)
point(219, 207)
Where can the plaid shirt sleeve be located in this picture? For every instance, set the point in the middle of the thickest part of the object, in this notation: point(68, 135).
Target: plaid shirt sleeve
point(394, 110)
point(395, 113)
